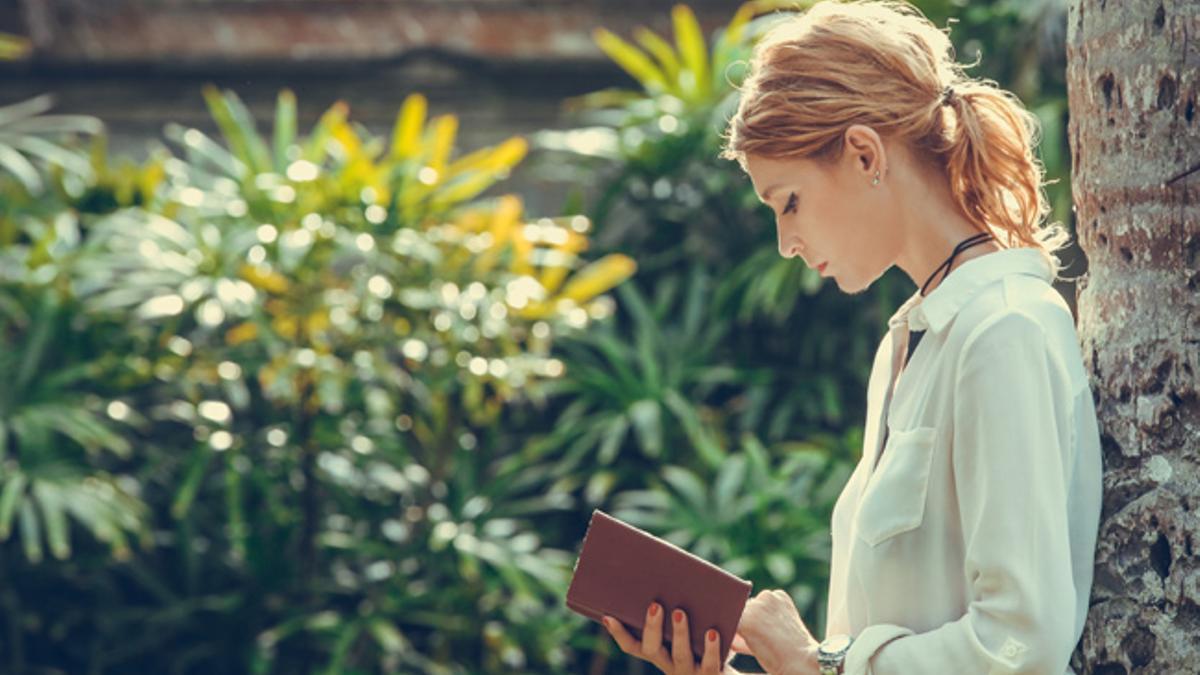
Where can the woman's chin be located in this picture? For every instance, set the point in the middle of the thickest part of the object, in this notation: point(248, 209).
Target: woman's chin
point(851, 286)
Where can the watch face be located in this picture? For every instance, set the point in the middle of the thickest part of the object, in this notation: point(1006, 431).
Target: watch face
point(835, 644)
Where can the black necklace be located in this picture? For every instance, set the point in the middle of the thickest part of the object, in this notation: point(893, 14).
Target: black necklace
point(962, 246)
point(915, 336)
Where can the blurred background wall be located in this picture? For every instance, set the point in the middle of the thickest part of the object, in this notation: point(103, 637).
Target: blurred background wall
point(503, 66)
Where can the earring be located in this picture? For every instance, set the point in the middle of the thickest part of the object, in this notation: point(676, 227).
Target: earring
point(875, 181)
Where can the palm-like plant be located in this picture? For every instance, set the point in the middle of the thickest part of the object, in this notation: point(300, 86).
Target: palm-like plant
point(26, 140)
point(347, 312)
point(52, 420)
point(639, 386)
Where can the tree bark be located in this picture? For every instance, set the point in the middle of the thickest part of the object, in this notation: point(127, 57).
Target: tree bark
point(1132, 79)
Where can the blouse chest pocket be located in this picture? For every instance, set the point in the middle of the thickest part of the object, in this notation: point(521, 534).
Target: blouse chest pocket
point(893, 500)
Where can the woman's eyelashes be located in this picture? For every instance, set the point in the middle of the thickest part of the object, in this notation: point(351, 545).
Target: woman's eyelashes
point(791, 204)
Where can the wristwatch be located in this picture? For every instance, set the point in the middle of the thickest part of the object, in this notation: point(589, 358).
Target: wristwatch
point(831, 654)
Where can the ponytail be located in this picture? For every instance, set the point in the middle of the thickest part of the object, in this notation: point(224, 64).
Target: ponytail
point(994, 176)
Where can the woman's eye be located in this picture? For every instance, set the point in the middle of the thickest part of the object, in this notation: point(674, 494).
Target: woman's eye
point(791, 204)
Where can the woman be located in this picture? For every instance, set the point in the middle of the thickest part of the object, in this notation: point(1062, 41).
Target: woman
point(963, 542)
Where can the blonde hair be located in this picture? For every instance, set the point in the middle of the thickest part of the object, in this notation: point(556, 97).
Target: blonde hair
point(883, 64)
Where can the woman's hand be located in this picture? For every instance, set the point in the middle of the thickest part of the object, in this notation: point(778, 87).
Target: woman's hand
point(771, 629)
point(679, 661)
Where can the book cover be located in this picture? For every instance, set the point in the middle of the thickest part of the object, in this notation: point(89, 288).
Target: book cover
point(622, 569)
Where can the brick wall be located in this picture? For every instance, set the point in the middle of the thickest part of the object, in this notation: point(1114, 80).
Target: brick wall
point(240, 31)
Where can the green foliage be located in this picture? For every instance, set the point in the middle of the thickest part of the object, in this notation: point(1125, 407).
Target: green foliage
point(311, 339)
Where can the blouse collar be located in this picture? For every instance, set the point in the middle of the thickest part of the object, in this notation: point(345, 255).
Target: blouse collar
point(936, 310)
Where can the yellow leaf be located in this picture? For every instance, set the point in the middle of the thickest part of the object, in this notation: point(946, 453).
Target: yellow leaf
point(737, 25)
point(494, 159)
point(240, 333)
point(286, 326)
point(631, 59)
point(444, 129)
point(522, 252)
point(13, 47)
point(267, 375)
point(552, 276)
point(504, 222)
point(316, 147)
point(344, 134)
point(151, 177)
point(598, 277)
point(661, 50)
point(507, 216)
point(461, 190)
point(317, 322)
point(265, 278)
point(692, 49)
point(406, 134)
point(536, 310)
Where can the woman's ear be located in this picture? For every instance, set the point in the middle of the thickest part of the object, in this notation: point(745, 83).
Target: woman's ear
point(865, 148)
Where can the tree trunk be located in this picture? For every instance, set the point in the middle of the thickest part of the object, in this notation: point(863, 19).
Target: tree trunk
point(1135, 142)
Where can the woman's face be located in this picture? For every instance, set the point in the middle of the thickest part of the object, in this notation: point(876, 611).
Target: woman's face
point(829, 213)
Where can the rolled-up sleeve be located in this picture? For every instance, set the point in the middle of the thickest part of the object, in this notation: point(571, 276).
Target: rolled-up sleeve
point(1011, 431)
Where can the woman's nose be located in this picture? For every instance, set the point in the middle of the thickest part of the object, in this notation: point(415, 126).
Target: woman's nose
point(788, 248)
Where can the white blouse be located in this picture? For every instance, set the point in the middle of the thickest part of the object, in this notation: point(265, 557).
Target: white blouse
point(969, 548)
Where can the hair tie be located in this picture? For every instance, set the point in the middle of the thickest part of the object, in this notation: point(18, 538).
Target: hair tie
point(947, 95)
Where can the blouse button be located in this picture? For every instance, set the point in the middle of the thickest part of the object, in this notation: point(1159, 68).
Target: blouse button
point(1012, 647)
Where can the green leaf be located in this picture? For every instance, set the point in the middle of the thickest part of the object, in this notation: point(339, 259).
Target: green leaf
point(21, 169)
point(647, 424)
point(9, 498)
point(186, 494)
point(237, 125)
point(341, 647)
point(285, 128)
point(53, 154)
point(31, 536)
point(390, 639)
point(22, 110)
point(54, 517)
point(200, 148)
point(614, 434)
point(689, 486)
point(729, 482)
point(235, 508)
point(781, 566)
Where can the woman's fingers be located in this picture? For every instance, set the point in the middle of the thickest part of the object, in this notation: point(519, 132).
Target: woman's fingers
point(624, 640)
point(680, 661)
point(681, 645)
point(652, 637)
point(711, 663)
point(739, 644)
point(632, 647)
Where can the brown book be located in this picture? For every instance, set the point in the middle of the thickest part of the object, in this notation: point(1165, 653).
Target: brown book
point(622, 569)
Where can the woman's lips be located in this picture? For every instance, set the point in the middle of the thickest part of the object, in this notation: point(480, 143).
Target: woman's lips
point(822, 266)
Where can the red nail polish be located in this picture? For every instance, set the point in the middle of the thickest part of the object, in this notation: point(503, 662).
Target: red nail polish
point(653, 610)
point(678, 616)
point(712, 636)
